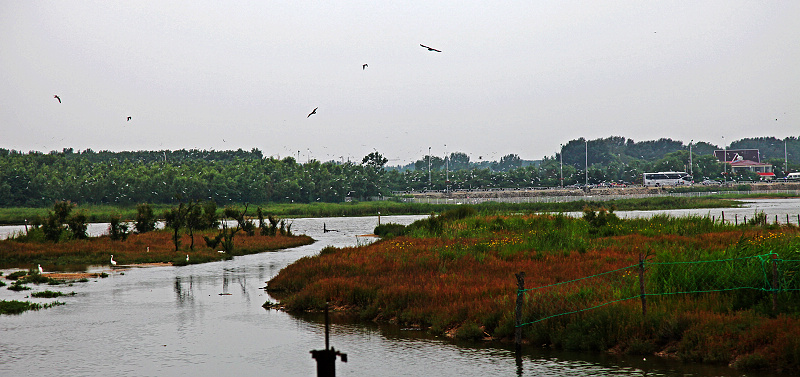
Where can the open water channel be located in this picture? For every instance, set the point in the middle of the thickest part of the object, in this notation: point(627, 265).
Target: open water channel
point(208, 320)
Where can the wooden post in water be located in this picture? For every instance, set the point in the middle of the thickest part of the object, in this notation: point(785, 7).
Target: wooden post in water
point(775, 284)
point(723, 217)
point(736, 219)
point(326, 359)
point(518, 319)
point(641, 285)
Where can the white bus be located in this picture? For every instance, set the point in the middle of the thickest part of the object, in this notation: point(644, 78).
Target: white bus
point(793, 177)
point(667, 178)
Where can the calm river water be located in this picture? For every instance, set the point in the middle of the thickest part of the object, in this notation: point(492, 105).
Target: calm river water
point(173, 321)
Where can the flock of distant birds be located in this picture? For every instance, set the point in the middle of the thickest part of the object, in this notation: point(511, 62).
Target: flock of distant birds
point(363, 67)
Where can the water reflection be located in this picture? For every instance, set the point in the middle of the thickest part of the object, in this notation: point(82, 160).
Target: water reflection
point(184, 296)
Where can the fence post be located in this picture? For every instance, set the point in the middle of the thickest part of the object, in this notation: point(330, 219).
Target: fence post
point(520, 292)
point(774, 283)
point(641, 285)
point(736, 219)
point(723, 217)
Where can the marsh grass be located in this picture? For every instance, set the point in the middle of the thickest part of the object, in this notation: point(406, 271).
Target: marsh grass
point(454, 276)
point(104, 213)
point(51, 294)
point(98, 251)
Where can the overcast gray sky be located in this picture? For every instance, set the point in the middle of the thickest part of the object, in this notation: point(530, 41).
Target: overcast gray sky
point(512, 77)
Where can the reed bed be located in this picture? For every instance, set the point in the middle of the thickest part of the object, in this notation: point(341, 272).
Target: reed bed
point(456, 277)
point(151, 247)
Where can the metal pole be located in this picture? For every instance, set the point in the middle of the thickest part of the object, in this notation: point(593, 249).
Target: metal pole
point(586, 183)
point(446, 171)
point(561, 167)
point(724, 161)
point(429, 167)
point(691, 168)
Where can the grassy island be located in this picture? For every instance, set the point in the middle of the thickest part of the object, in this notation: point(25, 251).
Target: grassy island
point(708, 286)
point(150, 247)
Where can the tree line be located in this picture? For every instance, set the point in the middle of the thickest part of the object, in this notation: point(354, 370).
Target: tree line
point(36, 179)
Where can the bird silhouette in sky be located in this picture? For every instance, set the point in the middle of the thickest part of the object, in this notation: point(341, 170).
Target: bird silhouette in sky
point(364, 66)
point(57, 97)
point(313, 112)
point(430, 48)
point(129, 119)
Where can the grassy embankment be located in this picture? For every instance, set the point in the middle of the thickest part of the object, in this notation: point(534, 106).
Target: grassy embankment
point(134, 250)
point(98, 213)
point(454, 276)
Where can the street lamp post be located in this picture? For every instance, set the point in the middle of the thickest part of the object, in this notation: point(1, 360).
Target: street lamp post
point(691, 168)
point(429, 167)
point(724, 162)
point(561, 166)
point(446, 170)
point(586, 164)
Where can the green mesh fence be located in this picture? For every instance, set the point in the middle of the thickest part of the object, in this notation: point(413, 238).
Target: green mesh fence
point(766, 273)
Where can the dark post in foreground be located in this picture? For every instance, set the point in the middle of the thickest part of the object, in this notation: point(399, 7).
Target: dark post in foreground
point(775, 284)
point(520, 292)
point(641, 285)
point(326, 359)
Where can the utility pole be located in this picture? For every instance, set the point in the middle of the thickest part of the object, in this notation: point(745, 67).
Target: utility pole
point(561, 167)
point(586, 164)
point(785, 159)
point(691, 167)
point(724, 162)
point(429, 167)
point(446, 170)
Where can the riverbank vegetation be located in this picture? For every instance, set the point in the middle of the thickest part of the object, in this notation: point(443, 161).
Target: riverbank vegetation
point(17, 307)
point(105, 213)
point(151, 247)
point(454, 274)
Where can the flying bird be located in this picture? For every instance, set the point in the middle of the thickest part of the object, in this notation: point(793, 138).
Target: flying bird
point(313, 112)
point(57, 97)
point(129, 119)
point(364, 66)
point(430, 48)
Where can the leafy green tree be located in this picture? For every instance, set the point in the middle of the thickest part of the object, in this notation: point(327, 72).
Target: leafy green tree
point(145, 219)
point(194, 220)
point(77, 224)
point(117, 229)
point(175, 218)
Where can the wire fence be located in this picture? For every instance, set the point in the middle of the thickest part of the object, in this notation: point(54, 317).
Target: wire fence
point(765, 274)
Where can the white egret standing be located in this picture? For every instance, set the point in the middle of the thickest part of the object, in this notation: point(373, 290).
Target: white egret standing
point(40, 269)
point(113, 262)
point(187, 257)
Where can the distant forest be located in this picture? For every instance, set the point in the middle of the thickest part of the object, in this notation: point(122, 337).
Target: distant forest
point(36, 179)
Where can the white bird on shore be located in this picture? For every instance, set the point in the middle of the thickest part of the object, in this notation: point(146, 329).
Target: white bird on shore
point(40, 269)
point(187, 257)
point(113, 262)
